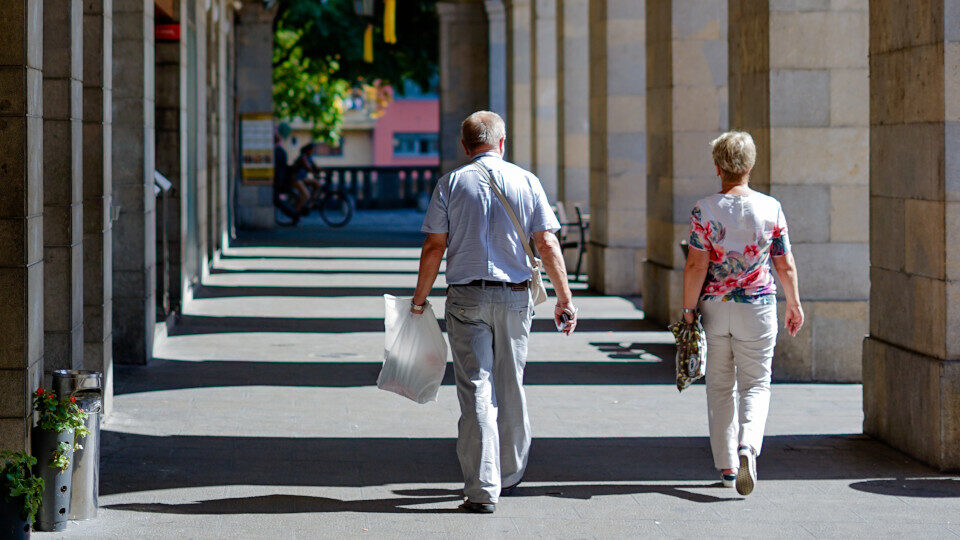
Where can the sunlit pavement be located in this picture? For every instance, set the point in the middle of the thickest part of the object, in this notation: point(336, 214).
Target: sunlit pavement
point(261, 418)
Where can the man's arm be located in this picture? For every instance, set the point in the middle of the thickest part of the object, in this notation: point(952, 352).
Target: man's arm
point(431, 255)
point(549, 248)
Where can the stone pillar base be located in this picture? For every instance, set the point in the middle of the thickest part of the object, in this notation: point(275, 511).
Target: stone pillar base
point(662, 292)
point(828, 347)
point(615, 270)
point(910, 402)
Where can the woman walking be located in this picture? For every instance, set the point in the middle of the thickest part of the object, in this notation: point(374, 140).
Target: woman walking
point(733, 236)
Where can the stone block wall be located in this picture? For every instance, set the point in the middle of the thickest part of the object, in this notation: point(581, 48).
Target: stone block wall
point(799, 85)
point(171, 162)
point(911, 359)
point(254, 35)
point(686, 109)
point(573, 90)
point(134, 236)
point(520, 83)
point(618, 156)
point(21, 217)
point(63, 184)
point(97, 191)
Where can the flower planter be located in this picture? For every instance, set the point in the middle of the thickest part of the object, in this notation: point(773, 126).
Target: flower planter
point(56, 483)
point(12, 524)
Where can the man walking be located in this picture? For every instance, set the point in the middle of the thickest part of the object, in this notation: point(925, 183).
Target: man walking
point(489, 306)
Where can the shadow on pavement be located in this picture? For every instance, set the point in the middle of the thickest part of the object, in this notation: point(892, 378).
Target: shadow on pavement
point(211, 324)
point(135, 463)
point(174, 374)
point(913, 487)
point(292, 504)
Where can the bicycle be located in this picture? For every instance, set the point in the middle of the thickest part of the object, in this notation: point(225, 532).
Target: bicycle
point(336, 206)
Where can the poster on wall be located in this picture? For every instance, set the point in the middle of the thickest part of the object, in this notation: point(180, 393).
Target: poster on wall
point(256, 148)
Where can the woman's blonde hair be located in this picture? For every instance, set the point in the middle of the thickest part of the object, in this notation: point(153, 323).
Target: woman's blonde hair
point(735, 153)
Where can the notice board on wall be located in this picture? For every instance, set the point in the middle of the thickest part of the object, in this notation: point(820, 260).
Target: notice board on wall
point(256, 148)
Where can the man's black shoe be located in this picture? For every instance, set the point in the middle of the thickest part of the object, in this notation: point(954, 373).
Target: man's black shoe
point(508, 491)
point(478, 508)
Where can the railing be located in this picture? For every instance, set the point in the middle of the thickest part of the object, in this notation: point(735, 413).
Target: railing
point(384, 187)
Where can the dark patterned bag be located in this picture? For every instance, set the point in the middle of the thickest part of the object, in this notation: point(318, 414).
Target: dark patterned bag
point(691, 351)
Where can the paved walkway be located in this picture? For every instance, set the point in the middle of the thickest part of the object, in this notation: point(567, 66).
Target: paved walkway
point(261, 418)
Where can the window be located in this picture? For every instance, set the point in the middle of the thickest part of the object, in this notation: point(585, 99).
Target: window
point(416, 144)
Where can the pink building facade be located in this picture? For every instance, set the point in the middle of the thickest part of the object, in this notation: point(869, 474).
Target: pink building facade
point(407, 134)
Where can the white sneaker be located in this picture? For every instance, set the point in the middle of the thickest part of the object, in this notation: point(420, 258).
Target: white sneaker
point(728, 479)
point(747, 475)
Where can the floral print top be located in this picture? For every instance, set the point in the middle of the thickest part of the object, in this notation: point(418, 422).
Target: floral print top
point(741, 232)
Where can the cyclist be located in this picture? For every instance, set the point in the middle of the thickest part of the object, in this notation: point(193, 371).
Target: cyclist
point(282, 181)
point(306, 175)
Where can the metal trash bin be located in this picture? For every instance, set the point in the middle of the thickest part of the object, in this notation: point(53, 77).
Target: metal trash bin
point(87, 387)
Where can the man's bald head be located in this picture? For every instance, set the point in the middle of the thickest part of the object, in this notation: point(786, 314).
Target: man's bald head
point(482, 129)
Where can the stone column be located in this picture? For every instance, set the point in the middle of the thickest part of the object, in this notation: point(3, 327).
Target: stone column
point(686, 109)
point(254, 37)
point(520, 81)
point(21, 216)
point(134, 239)
point(63, 184)
point(573, 91)
point(911, 373)
point(545, 105)
point(798, 83)
point(171, 106)
point(497, 19)
point(464, 80)
point(97, 189)
point(618, 161)
point(223, 137)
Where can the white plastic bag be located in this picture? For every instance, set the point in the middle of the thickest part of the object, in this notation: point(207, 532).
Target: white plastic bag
point(415, 353)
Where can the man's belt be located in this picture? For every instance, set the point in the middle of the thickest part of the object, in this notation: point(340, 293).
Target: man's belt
point(488, 283)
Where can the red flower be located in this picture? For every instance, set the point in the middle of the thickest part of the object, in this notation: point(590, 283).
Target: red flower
point(39, 391)
point(717, 254)
point(730, 282)
point(73, 399)
point(752, 251)
point(777, 231)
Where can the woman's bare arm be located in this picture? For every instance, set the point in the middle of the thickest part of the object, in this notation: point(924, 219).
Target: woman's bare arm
point(787, 270)
point(694, 273)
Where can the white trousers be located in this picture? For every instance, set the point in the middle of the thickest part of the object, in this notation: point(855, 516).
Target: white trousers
point(740, 342)
point(488, 329)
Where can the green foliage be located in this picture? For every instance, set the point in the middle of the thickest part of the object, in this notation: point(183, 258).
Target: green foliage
point(318, 56)
point(60, 458)
point(306, 88)
point(59, 415)
point(19, 481)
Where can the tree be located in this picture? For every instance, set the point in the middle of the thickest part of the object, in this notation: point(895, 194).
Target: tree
point(318, 56)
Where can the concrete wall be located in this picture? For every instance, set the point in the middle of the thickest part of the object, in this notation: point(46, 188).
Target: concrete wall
point(911, 372)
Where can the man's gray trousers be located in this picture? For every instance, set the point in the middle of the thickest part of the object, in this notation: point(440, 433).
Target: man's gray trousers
point(488, 327)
